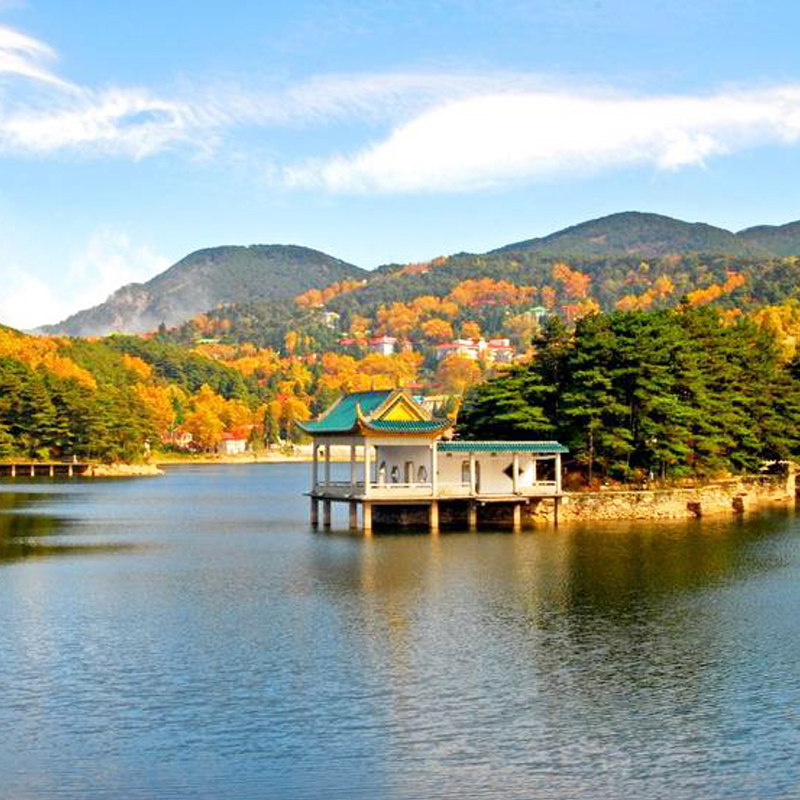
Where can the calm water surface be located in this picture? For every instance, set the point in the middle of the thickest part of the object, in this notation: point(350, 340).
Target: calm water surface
point(190, 637)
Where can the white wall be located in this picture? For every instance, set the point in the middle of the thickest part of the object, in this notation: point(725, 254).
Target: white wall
point(398, 456)
point(490, 468)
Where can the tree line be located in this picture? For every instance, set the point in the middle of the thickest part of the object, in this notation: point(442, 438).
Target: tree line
point(637, 394)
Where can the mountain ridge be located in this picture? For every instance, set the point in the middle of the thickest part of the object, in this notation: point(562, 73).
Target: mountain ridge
point(242, 274)
point(204, 279)
point(647, 234)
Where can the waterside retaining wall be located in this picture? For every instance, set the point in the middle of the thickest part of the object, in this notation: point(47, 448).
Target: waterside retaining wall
point(734, 497)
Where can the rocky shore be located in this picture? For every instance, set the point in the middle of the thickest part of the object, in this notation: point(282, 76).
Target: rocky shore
point(122, 470)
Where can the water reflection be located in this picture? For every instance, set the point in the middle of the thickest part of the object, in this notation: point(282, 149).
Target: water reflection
point(26, 530)
point(233, 653)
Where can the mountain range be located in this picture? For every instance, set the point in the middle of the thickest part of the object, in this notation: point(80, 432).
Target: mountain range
point(651, 235)
point(204, 279)
point(232, 274)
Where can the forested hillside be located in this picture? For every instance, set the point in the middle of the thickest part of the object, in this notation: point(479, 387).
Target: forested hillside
point(783, 240)
point(120, 397)
point(676, 363)
point(646, 235)
point(649, 394)
point(494, 295)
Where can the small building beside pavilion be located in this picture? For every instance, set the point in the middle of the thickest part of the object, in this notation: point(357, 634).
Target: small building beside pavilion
point(403, 458)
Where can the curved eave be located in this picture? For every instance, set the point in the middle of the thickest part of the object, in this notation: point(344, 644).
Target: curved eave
point(405, 427)
point(317, 428)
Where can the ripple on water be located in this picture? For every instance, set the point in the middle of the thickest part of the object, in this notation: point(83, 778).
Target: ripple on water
point(190, 637)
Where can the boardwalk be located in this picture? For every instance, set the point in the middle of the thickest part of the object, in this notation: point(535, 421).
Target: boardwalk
point(38, 469)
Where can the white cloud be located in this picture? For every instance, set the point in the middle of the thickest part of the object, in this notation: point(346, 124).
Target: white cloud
point(492, 139)
point(26, 57)
point(107, 261)
point(439, 131)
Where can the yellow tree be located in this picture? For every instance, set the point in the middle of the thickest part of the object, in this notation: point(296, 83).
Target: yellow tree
point(437, 330)
point(235, 414)
point(206, 397)
point(205, 426)
point(456, 374)
point(398, 319)
point(359, 326)
point(471, 330)
point(157, 400)
point(290, 342)
point(141, 369)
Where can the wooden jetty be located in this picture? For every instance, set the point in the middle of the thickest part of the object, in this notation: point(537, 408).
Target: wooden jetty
point(39, 469)
point(401, 461)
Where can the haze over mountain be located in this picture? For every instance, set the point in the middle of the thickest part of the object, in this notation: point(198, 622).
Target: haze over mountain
point(201, 280)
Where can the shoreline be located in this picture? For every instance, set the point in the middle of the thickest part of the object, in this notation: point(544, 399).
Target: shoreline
point(726, 497)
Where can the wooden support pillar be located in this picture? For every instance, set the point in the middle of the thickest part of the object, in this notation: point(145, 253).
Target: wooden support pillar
point(367, 518)
point(52, 470)
point(13, 470)
point(326, 513)
point(472, 515)
point(433, 516)
point(69, 471)
point(517, 517)
point(352, 466)
point(556, 501)
point(535, 462)
point(434, 470)
point(314, 512)
point(33, 470)
point(353, 515)
point(327, 466)
point(367, 472)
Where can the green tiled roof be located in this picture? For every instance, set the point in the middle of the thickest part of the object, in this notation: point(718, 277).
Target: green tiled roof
point(408, 426)
point(501, 447)
point(342, 417)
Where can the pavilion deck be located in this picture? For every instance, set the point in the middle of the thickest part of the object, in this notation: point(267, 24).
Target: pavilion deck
point(423, 492)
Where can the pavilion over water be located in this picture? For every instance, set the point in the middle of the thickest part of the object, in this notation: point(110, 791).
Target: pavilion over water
point(402, 458)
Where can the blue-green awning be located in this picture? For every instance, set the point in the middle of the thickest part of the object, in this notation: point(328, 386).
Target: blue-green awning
point(341, 418)
point(408, 425)
point(500, 447)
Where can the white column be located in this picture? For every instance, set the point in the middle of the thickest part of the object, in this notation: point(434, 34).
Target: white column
point(367, 476)
point(314, 465)
point(352, 466)
point(515, 477)
point(535, 462)
point(472, 473)
point(327, 466)
point(434, 469)
point(558, 473)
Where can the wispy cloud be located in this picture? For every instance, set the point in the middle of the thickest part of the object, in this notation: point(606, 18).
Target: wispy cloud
point(429, 131)
point(491, 139)
point(26, 57)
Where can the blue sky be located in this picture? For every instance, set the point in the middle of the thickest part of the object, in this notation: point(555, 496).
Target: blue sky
point(391, 130)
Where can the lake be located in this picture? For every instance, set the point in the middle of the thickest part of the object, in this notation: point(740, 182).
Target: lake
point(190, 637)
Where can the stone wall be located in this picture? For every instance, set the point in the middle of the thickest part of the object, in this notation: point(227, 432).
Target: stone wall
point(735, 497)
